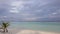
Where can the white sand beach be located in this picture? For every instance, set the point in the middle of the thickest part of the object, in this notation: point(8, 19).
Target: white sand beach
point(11, 31)
point(34, 32)
point(17, 31)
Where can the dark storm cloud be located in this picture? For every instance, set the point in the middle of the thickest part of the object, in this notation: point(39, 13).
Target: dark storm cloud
point(30, 10)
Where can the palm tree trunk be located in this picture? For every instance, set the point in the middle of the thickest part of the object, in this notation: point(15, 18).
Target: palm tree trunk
point(6, 30)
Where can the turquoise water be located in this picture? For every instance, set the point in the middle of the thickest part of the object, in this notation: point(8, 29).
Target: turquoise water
point(43, 26)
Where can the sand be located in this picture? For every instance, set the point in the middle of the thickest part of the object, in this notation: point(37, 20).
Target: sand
point(17, 31)
point(11, 31)
point(34, 32)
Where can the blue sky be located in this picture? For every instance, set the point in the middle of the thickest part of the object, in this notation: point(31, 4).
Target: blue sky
point(30, 10)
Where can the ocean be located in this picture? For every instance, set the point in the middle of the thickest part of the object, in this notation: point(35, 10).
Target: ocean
point(42, 26)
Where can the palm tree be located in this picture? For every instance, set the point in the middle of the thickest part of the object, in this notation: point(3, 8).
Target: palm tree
point(4, 26)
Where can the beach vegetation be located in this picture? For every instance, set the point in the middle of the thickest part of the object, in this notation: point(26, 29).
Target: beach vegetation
point(5, 26)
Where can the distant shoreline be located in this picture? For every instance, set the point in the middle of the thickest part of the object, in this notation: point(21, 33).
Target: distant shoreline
point(34, 21)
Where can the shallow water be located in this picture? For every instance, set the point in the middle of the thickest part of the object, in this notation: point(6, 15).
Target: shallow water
point(42, 26)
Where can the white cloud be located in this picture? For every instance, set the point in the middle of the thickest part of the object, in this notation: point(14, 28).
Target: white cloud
point(14, 11)
point(27, 14)
point(13, 8)
point(15, 5)
point(54, 13)
point(5, 16)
